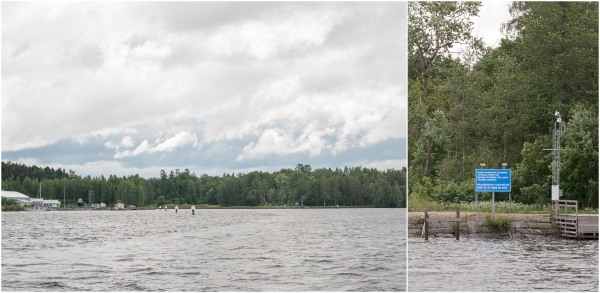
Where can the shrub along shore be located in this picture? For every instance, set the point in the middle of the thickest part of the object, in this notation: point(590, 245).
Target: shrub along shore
point(419, 205)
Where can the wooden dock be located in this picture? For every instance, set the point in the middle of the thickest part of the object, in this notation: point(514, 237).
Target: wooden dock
point(577, 226)
point(425, 217)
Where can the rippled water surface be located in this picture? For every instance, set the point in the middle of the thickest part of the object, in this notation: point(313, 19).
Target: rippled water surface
point(444, 264)
point(215, 250)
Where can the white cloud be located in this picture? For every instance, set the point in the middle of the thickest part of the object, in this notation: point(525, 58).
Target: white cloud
point(98, 168)
point(278, 142)
point(383, 165)
point(491, 16)
point(264, 38)
point(312, 78)
point(355, 116)
point(126, 142)
point(270, 142)
point(180, 139)
point(109, 131)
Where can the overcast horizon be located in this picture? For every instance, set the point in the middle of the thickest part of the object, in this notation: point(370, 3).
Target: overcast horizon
point(136, 87)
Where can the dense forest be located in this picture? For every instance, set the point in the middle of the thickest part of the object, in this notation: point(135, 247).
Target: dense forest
point(321, 187)
point(479, 104)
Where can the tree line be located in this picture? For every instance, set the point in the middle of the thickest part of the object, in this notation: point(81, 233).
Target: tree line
point(471, 104)
point(351, 186)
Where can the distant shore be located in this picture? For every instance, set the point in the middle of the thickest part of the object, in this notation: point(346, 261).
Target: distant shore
point(187, 207)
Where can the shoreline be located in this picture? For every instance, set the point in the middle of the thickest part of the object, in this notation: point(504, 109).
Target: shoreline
point(209, 207)
point(522, 226)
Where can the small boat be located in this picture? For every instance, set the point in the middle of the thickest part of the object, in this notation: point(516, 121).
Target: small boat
point(79, 202)
point(133, 208)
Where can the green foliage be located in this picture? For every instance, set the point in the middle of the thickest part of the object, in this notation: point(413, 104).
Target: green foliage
point(579, 166)
point(499, 103)
point(9, 204)
point(8, 201)
point(497, 224)
point(433, 143)
point(21, 170)
point(485, 206)
point(419, 221)
point(445, 191)
point(433, 29)
point(558, 48)
point(351, 186)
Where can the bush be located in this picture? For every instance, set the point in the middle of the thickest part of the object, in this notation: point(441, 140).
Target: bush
point(419, 221)
point(8, 201)
point(496, 224)
point(453, 192)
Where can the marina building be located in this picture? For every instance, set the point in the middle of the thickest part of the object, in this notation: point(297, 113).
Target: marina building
point(22, 199)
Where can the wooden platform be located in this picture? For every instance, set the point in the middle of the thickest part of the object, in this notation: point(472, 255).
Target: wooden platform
point(577, 226)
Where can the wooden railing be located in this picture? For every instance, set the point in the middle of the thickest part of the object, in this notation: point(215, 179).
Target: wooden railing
point(427, 219)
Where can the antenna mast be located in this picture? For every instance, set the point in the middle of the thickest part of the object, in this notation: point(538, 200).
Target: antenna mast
point(558, 129)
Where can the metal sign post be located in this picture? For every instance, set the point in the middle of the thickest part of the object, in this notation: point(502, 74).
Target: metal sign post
point(492, 180)
point(477, 206)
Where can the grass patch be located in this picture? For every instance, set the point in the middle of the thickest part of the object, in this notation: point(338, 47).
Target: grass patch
point(419, 221)
point(12, 208)
point(496, 224)
point(416, 204)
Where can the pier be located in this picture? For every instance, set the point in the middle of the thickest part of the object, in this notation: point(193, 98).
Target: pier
point(523, 226)
point(576, 225)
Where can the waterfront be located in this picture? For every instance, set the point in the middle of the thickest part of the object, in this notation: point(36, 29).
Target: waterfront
point(215, 250)
point(444, 264)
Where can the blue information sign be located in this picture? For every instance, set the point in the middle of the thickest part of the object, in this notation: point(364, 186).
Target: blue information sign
point(492, 180)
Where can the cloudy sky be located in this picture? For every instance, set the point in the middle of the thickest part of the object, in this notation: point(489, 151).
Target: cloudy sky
point(133, 88)
point(491, 16)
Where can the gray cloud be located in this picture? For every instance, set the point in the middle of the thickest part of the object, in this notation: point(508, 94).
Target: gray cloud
point(219, 82)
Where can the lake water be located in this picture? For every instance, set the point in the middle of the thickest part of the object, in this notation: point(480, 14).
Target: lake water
point(214, 250)
point(444, 264)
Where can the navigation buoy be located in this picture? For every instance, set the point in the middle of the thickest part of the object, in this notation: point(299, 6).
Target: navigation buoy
point(193, 210)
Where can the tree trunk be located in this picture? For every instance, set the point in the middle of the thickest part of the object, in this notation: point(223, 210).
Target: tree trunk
point(426, 170)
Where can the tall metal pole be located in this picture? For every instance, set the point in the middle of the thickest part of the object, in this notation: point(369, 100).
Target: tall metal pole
point(509, 196)
point(556, 158)
point(558, 129)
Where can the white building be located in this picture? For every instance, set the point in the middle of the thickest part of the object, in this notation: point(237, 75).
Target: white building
point(52, 203)
point(21, 199)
